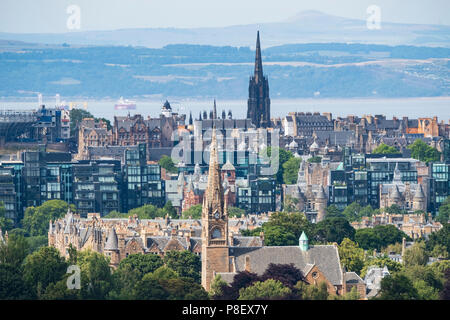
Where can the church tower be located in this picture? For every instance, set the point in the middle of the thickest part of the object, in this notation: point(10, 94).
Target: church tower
point(258, 108)
point(215, 255)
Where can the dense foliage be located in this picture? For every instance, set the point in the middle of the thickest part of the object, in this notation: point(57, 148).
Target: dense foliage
point(385, 149)
point(167, 163)
point(423, 152)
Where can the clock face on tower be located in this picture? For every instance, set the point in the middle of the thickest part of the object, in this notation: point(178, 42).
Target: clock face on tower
point(216, 215)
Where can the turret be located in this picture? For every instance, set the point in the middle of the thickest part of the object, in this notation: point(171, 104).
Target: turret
point(419, 199)
point(111, 248)
point(321, 204)
point(303, 242)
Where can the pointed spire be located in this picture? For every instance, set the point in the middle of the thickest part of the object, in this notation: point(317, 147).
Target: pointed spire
point(397, 175)
point(215, 110)
point(190, 118)
point(258, 60)
point(214, 191)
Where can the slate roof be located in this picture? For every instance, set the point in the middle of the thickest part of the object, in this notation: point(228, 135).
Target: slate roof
point(326, 258)
point(335, 137)
point(112, 243)
point(352, 278)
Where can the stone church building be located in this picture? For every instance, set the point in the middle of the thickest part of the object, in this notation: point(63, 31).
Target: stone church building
point(220, 257)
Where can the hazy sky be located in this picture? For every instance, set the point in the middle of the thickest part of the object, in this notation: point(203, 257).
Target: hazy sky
point(51, 16)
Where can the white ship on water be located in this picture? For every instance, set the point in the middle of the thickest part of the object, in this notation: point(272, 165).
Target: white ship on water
point(125, 104)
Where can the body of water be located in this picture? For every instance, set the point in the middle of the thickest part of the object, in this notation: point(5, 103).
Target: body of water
point(410, 107)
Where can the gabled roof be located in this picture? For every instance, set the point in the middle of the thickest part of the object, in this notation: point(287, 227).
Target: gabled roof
point(325, 257)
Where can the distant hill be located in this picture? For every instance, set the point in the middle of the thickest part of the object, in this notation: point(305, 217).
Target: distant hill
point(304, 27)
point(204, 71)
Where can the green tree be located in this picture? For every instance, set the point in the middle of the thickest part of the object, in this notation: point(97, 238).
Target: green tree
point(379, 237)
point(147, 211)
point(235, 212)
point(76, 116)
point(352, 212)
point(264, 290)
point(367, 211)
point(444, 211)
point(36, 219)
point(279, 236)
point(170, 210)
point(290, 204)
point(59, 291)
point(351, 295)
point(416, 255)
point(333, 230)
point(441, 237)
point(5, 223)
point(149, 289)
point(194, 212)
point(397, 287)
point(130, 271)
point(392, 265)
point(394, 209)
point(141, 264)
point(440, 251)
point(42, 268)
point(290, 170)
point(352, 256)
point(217, 287)
point(311, 291)
point(37, 242)
point(427, 281)
point(283, 157)
point(185, 263)
point(167, 163)
point(115, 214)
point(183, 289)
point(12, 286)
point(294, 223)
point(385, 149)
point(14, 250)
point(315, 159)
point(95, 275)
point(423, 152)
point(165, 284)
point(333, 212)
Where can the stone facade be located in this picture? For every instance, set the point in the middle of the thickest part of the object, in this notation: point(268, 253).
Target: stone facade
point(118, 238)
point(414, 225)
point(154, 132)
point(92, 134)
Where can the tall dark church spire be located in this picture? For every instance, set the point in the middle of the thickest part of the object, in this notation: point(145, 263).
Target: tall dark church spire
point(258, 61)
point(258, 107)
point(215, 110)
